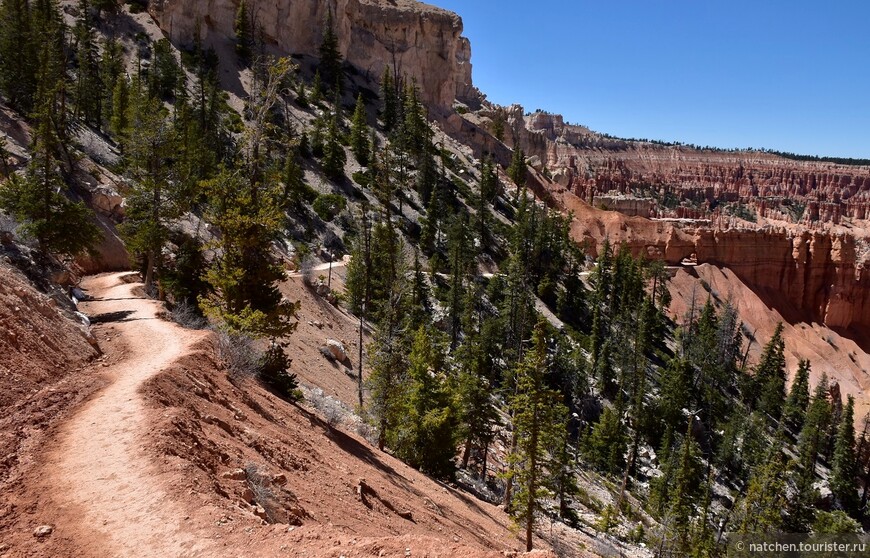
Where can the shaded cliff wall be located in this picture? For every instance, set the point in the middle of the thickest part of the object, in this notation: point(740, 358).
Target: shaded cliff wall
point(421, 41)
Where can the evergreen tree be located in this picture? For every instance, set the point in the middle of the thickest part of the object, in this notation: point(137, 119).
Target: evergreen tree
point(539, 419)
point(244, 33)
point(517, 172)
point(154, 200)
point(390, 109)
point(477, 413)
point(359, 133)
point(334, 157)
point(39, 199)
point(88, 88)
point(330, 57)
point(770, 376)
point(844, 470)
point(488, 182)
point(388, 381)
point(166, 79)
point(120, 108)
point(676, 381)
point(798, 398)
point(761, 509)
point(111, 71)
point(427, 438)
point(461, 263)
point(317, 89)
point(605, 445)
point(244, 275)
point(811, 439)
point(18, 54)
point(684, 493)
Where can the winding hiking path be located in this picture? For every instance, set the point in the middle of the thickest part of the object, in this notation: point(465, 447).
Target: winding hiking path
point(99, 467)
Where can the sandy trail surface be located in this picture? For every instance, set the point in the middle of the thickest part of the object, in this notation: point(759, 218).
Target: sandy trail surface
point(99, 469)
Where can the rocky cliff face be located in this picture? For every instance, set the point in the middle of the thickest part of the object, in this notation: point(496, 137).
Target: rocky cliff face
point(423, 42)
point(591, 164)
point(808, 275)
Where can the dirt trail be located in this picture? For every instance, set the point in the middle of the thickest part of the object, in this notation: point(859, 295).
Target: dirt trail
point(100, 471)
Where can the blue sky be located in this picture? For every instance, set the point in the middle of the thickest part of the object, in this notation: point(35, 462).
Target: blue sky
point(792, 76)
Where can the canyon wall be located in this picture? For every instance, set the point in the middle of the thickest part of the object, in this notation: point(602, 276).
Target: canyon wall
point(421, 41)
point(591, 164)
point(808, 275)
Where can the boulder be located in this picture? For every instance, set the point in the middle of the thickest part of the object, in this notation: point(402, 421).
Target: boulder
point(337, 350)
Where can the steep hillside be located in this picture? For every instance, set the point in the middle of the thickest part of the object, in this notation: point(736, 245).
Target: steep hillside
point(841, 355)
point(44, 373)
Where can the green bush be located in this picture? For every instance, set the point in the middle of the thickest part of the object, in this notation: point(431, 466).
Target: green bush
point(327, 206)
point(273, 371)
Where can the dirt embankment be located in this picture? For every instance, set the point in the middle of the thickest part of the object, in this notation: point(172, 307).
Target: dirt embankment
point(44, 358)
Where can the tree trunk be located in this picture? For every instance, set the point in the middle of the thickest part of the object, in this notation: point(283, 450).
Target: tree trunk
point(149, 272)
point(484, 464)
point(532, 487)
point(360, 374)
point(508, 489)
point(466, 453)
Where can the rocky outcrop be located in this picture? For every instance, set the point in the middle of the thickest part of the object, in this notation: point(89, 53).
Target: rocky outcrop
point(415, 39)
point(591, 165)
point(809, 275)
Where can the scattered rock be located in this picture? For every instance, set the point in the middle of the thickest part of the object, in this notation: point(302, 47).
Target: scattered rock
point(234, 474)
point(43, 531)
point(260, 512)
point(280, 479)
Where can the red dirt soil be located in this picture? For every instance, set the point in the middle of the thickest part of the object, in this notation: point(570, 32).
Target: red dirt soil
point(173, 458)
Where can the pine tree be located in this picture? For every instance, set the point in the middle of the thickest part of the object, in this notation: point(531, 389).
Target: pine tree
point(461, 261)
point(39, 200)
point(18, 54)
point(427, 438)
point(390, 109)
point(818, 419)
point(330, 57)
point(317, 89)
point(517, 172)
point(388, 381)
point(334, 157)
point(798, 398)
point(687, 483)
point(477, 412)
point(88, 92)
point(770, 375)
point(488, 182)
point(844, 470)
point(154, 200)
point(539, 419)
point(120, 108)
point(244, 33)
point(111, 71)
point(676, 381)
point(761, 509)
point(244, 275)
point(359, 133)
point(605, 445)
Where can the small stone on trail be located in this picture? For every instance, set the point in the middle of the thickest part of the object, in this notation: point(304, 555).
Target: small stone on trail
point(43, 531)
